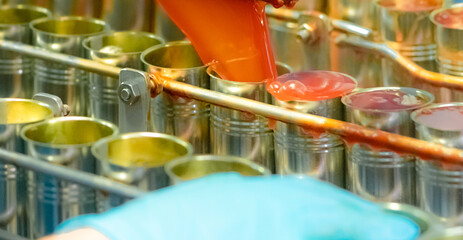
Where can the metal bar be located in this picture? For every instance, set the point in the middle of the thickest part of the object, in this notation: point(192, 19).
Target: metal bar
point(72, 61)
point(417, 72)
point(350, 132)
point(71, 175)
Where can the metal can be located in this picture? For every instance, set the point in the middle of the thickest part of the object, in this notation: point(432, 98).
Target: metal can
point(409, 31)
point(426, 223)
point(120, 49)
point(376, 174)
point(137, 159)
point(16, 70)
point(14, 115)
point(64, 35)
point(298, 151)
point(63, 141)
point(192, 167)
point(440, 186)
point(165, 27)
point(238, 133)
point(171, 114)
point(454, 233)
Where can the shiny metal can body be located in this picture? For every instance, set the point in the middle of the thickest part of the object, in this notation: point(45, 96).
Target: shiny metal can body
point(64, 141)
point(137, 159)
point(16, 78)
point(14, 115)
point(120, 49)
point(373, 173)
point(238, 133)
point(298, 151)
point(192, 167)
point(175, 115)
point(165, 27)
point(411, 33)
point(64, 35)
point(440, 186)
point(448, 40)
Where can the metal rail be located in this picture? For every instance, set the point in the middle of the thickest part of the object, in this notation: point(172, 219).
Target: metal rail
point(71, 175)
point(348, 131)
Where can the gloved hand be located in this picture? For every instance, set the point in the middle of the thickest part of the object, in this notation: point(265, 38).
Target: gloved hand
point(281, 3)
point(228, 206)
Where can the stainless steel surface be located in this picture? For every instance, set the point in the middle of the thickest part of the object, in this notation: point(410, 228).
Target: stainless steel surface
point(411, 33)
point(300, 151)
point(440, 186)
point(15, 114)
point(454, 233)
point(300, 40)
point(64, 141)
point(64, 35)
point(10, 236)
point(137, 159)
point(392, 141)
point(120, 49)
point(125, 15)
point(426, 222)
point(238, 133)
point(192, 167)
point(165, 27)
point(449, 49)
point(375, 174)
point(182, 117)
point(16, 76)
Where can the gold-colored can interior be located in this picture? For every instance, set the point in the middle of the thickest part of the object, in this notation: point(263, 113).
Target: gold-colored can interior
point(144, 151)
point(17, 111)
point(173, 55)
point(128, 42)
point(68, 131)
point(69, 26)
point(20, 15)
point(195, 169)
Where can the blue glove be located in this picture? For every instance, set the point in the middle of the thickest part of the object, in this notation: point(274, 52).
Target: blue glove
point(228, 206)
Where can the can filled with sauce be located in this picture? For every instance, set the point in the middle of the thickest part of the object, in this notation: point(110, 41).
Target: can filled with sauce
point(374, 173)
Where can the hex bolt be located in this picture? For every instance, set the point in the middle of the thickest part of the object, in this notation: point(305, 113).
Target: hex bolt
point(125, 94)
point(128, 93)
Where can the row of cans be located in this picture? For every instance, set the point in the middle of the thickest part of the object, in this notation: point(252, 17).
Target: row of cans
point(32, 204)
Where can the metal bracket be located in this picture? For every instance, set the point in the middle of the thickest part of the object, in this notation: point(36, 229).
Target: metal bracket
point(134, 101)
point(57, 106)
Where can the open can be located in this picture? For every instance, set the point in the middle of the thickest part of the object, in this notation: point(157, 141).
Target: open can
point(64, 141)
point(374, 173)
point(136, 159)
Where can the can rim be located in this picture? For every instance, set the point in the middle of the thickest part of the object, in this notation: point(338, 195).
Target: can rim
point(168, 44)
point(38, 9)
point(50, 115)
point(113, 127)
point(444, 233)
point(96, 21)
point(101, 142)
point(169, 166)
point(428, 95)
point(437, 11)
point(416, 113)
point(86, 42)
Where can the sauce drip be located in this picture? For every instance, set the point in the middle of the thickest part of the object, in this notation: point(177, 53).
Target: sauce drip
point(389, 100)
point(450, 18)
point(311, 86)
point(411, 5)
point(443, 118)
point(231, 35)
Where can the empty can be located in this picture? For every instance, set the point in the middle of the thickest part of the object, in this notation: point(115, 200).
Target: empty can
point(16, 76)
point(238, 133)
point(440, 186)
point(171, 114)
point(299, 151)
point(405, 27)
point(165, 27)
point(64, 35)
point(192, 167)
point(120, 49)
point(137, 159)
point(372, 172)
point(14, 115)
point(64, 141)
